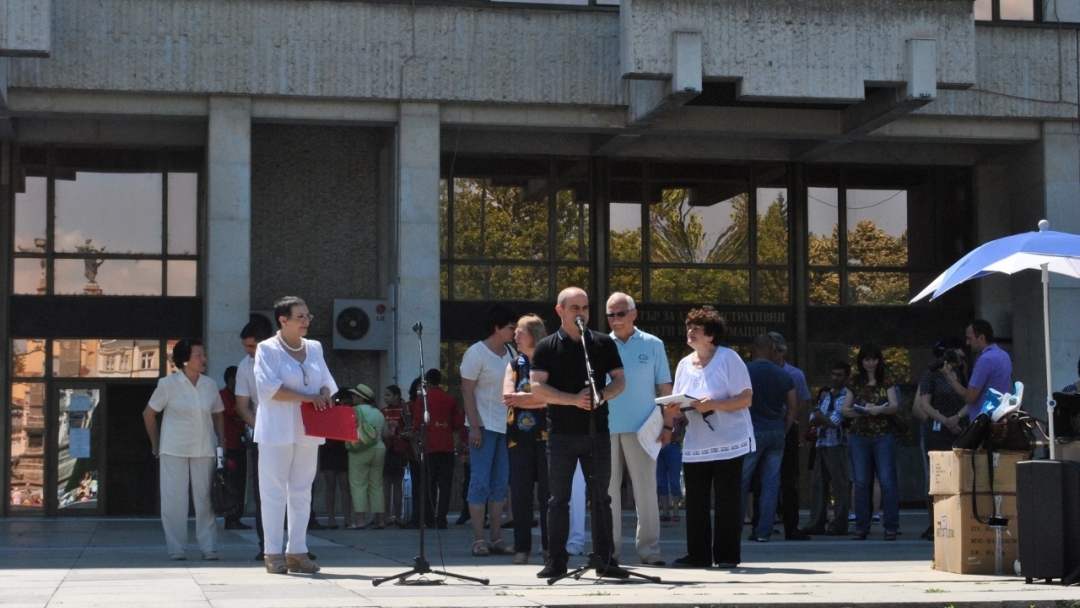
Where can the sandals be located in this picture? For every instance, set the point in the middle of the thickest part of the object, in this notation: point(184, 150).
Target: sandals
point(300, 562)
point(676, 517)
point(276, 564)
point(501, 548)
point(890, 536)
point(356, 527)
point(480, 549)
point(665, 518)
point(859, 536)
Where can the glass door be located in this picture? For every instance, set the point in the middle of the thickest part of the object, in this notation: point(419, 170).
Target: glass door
point(76, 482)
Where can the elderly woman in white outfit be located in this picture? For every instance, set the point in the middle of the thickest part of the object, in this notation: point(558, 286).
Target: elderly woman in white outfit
point(289, 370)
point(192, 427)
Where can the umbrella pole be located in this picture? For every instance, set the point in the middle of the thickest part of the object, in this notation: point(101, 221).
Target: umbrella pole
point(1046, 339)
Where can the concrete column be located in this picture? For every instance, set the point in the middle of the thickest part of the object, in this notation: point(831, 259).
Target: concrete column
point(1062, 179)
point(1045, 183)
point(417, 252)
point(228, 251)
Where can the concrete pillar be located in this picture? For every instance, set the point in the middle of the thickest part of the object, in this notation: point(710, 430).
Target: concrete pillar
point(417, 251)
point(228, 251)
point(1045, 183)
point(1062, 179)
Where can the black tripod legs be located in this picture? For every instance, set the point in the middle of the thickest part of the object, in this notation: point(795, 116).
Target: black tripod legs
point(605, 570)
point(420, 568)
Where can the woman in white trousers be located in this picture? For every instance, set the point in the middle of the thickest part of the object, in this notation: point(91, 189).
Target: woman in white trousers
point(289, 370)
point(192, 427)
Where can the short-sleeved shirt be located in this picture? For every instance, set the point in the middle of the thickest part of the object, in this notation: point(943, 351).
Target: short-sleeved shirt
point(245, 382)
point(645, 366)
point(488, 370)
point(876, 394)
point(832, 406)
point(723, 435)
point(993, 370)
point(947, 402)
point(187, 428)
point(279, 422)
point(802, 389)
point(524, 424)
point(563, 359)
point(771, 385)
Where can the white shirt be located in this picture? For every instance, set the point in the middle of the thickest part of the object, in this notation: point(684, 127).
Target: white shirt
point(732, 433)
point(245, 382)
point(187, 428)
point(279, 422)
point(488, 370)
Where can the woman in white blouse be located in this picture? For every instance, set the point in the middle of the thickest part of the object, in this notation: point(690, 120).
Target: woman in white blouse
point(192, 427)
point(289, 370)
point(718, 435)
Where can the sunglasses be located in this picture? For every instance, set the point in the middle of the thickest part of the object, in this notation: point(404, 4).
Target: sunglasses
point(620, 314)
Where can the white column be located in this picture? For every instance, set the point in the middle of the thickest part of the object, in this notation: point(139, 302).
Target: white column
point(418, 291)
point(228, 252)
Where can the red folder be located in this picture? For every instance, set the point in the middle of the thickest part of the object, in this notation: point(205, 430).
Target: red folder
point(338, 422)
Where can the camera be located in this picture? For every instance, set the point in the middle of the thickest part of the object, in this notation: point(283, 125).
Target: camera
point(950, 356)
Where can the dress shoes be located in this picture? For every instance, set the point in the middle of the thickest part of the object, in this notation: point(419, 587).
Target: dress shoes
point(689, 562)
point(552, 569)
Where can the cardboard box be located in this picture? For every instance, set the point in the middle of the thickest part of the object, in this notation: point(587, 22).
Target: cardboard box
point(952, 472)
point(963, 545)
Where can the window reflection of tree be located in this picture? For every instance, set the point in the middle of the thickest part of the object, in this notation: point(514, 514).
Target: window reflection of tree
point(501, 238)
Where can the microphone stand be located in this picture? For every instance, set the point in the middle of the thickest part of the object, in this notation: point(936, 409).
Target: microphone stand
point(604, 567)
point(420, 563)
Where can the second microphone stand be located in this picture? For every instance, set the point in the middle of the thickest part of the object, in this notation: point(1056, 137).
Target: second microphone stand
point(420, 563)
point(605, 568)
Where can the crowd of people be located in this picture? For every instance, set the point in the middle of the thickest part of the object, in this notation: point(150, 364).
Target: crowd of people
point(550, 419)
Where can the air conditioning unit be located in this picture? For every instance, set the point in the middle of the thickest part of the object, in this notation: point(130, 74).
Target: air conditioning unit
point(362, 325)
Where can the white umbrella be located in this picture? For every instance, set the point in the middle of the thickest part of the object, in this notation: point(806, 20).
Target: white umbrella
point(1050, 251)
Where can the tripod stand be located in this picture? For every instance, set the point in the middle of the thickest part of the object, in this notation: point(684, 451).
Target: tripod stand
point(605, 568)
point(420, 563)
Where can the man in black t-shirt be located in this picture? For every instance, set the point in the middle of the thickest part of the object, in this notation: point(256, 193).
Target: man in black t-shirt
point(559, 377)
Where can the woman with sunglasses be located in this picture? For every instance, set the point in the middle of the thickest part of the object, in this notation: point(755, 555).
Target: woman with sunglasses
point(289, 370)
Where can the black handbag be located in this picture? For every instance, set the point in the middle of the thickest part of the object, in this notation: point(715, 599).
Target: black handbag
point(223, 496)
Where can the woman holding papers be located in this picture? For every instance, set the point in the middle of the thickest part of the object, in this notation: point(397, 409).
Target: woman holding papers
point(289, 370)
point(718, 435)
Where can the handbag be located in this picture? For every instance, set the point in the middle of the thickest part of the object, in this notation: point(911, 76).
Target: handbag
point(1013, 432)
point(223, 497)
point(366, 432)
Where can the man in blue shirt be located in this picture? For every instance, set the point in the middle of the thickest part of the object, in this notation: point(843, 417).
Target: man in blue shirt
point(772, 413)
point(993, 369)
point(645, 366)
point(789, 468)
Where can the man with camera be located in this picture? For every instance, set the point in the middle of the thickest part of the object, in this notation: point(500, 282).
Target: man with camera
point(941, 404)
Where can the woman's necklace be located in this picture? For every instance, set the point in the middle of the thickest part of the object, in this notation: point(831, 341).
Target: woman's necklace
point(290, 348)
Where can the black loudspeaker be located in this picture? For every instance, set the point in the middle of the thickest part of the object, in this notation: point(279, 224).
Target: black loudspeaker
point(1048, 519)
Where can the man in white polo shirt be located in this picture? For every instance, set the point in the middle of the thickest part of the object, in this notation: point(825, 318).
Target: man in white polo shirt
point(247, 404)
point(646, 368)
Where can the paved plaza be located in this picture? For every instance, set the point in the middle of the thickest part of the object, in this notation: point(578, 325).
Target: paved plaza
point(75, 563)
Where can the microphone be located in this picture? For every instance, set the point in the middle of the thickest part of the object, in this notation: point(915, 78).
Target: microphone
point(580, 322)
point(418, 327)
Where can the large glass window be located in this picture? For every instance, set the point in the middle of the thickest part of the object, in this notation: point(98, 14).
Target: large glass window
point(106, 222)
point(1007, 10)
point(26, 471)
point(712, 233)
point(514, 229)
point(869, 262)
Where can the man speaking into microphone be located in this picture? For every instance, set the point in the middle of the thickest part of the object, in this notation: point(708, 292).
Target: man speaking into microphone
point(559, 377)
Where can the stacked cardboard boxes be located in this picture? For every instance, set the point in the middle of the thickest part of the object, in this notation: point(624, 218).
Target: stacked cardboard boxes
point(964, 540)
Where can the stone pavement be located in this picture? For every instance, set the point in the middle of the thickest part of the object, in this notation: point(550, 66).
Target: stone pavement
point(76, 563)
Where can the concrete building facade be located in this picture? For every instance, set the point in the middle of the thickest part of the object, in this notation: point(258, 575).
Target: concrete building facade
point(194, 160)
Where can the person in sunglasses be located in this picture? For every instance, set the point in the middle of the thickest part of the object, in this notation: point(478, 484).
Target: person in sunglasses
point(647, 373)
point(289, 370)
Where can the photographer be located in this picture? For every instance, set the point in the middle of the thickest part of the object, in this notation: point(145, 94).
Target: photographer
point(941, 403)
